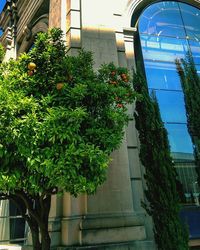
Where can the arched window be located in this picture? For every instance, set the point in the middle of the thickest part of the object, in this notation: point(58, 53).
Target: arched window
point(167, 31)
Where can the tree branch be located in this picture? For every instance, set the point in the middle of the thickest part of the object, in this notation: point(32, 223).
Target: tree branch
point(28, 203)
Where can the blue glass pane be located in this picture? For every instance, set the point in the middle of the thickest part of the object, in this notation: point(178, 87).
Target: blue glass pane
point(198, 69)
point(195, 49)
point(191, 19)
point(162, 19)
point(191, 216)
point(31, 47)
point(168, 30)
point(172, 106)
point(179, 138)
point(162, 75)
point(163, 48)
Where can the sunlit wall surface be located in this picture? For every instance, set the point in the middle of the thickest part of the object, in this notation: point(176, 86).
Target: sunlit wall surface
point(168, 30)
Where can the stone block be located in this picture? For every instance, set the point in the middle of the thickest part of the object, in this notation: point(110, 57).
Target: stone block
point(131, 134)
point(140, 245)
point(71, 230)
point(134, 163)
point(110, 235)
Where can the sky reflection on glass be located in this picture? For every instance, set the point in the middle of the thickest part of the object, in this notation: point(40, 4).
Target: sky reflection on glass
point(179, 138)
point(163, 48)
point(167, 31)
point(171, 113)
point(162, 75)
point(191, 19)
point(162, 19)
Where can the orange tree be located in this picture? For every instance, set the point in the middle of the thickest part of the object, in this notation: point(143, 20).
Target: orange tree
point(59, 122)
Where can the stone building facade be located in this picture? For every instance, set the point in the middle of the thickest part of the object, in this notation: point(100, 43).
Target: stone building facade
point(112, 218)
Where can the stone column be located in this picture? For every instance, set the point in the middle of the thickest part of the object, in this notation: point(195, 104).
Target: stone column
point(113, 214)
point(55, 13)
point(110, 214)
point(58, 14)
point(74, 210)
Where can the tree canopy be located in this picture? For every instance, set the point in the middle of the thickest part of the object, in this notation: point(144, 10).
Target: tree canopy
point(2, 52)
point(65, 133)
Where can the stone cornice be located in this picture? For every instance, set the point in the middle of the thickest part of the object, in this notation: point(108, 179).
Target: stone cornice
point(5, 17)
point(28, 8)
point(39, 25)
point(9, 18)
point(29, 32)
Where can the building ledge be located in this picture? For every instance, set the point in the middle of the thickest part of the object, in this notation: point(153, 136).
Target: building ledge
point(10, 247)
point(194, 243)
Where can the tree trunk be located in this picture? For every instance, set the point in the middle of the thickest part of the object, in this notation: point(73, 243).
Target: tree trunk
point(45, 240)
point(38, 208)
point(23, 204)
point(35, 238)
point(45, 237)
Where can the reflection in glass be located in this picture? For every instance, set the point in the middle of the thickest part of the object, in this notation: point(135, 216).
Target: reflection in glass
point(162, 19)
point(191, 19)
point(168, 30)
point(198, 69)
point(179, 138)
point(162, 75)
point(195, 49)
point(172, 106)
point(163, 48)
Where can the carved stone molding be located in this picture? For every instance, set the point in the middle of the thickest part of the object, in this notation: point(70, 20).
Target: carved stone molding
point(6, 38)
point(28, 11)
point(27, 32)
point(30, 31)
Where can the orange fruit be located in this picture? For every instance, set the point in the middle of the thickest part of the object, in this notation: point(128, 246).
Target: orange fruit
point(31, 66)
point(59, 86)
point(123, 76)
point(30, 72)
point(113, 82)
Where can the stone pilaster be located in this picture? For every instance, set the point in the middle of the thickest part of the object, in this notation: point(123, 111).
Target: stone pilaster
point(55, 13)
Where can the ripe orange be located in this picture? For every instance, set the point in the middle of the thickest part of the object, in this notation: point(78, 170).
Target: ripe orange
point(59, 86)
point(31, 66)
point(123, 76)
point(30, 72)
point(120, 105)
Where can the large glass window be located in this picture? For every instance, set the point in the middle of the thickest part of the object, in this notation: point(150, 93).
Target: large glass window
point(167, 31)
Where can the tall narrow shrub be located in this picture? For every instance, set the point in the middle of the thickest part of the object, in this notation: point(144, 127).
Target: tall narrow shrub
point(190, 82)
point(161, 192)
